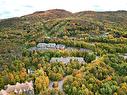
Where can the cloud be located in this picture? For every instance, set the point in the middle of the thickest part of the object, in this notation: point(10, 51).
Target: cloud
point(6, 12)
point(97, 8)
point(11, 8)
point(28, 6)
point(16, 10)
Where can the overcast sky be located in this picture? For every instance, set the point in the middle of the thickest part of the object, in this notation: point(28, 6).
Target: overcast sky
point(13, 8)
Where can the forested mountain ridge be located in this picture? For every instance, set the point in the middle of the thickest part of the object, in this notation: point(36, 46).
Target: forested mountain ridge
point(99, 38)
point(112, 16)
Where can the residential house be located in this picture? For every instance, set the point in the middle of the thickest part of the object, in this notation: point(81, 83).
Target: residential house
point(20, 88)
point(125, 56)
point(60, 46)
point(30, 71)
point(45, 45)
point(67, 59)
point(51, 45)
point(41, 45)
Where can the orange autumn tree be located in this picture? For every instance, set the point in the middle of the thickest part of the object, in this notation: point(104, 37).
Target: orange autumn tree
point(23, 74)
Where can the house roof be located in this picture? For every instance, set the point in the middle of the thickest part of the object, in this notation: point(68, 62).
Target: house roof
point(18, 87)
point(67, 59)
point(3, 92)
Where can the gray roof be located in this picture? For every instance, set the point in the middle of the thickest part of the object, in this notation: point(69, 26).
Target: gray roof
point(41, 45)
point(67, 59)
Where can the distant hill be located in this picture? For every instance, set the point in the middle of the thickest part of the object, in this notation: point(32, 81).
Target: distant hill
point(51, 14)
point(39, 16)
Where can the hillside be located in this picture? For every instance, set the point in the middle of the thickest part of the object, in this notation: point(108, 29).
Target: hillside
point(97, 38)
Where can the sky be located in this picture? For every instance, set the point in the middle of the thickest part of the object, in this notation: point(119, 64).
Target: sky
point(17, 8)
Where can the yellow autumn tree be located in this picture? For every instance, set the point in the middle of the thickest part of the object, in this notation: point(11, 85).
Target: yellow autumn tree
point(41, 81)
point(11, 78)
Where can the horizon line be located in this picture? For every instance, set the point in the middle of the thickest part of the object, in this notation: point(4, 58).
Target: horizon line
point(101, 11)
